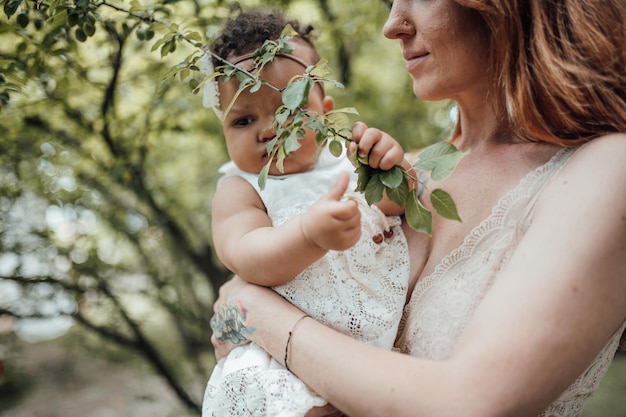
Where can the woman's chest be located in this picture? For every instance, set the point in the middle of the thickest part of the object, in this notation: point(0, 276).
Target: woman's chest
point(479, 187)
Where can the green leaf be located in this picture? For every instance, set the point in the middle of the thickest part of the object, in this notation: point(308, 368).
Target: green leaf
point(160, 42)
point(280, 159)
point(344, 110)
point(256, 86)
point(89, 28)
point(245, 80)
point(292, 142)
point(288, 32)
point(263, 175)
point(297, 93)
point(338, 120)
point(194, 36)
point(320, 139)
point(418, 217)
point(321, 69)
point(168, 47)
point(281, 115)
point(446, 165)
point(11, 6)
point(316, 125)
point(400, 193)
point(335, 147)
point(374, 190)
point(429, 157)
point(270, 146)
point(80, 35)
point(364, 173)
point(444, 205)
point(299, 118)
point(435, 150)
point(393, 177)
point(440, 158)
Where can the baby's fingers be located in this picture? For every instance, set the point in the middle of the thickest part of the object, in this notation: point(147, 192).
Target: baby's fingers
point(340, 187)
point(358, 129)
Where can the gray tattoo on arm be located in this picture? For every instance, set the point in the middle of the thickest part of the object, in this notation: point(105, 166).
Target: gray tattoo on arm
point(228, 323)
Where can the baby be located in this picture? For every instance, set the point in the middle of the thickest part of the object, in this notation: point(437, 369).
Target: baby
point(340, 260)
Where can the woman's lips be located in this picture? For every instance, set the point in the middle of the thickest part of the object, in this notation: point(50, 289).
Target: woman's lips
point(413, 61)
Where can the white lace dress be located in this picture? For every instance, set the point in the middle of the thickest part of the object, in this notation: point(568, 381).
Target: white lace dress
point(443, 302)
point(360, 292)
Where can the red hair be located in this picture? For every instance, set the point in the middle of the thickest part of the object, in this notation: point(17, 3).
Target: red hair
point(557, 66)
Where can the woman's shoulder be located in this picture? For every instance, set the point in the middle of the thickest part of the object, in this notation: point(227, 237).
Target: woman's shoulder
point(607, 147)
point(594, 176)
point(602, 159)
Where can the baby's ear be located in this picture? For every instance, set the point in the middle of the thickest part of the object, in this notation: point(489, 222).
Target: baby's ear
point(329, 103)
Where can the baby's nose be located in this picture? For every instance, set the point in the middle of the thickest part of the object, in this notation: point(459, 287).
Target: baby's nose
point(266, 134)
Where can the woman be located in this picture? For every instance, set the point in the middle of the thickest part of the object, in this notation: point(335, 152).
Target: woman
point(518, 310)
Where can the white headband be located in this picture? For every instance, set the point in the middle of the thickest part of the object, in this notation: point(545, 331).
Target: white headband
point(211, 93)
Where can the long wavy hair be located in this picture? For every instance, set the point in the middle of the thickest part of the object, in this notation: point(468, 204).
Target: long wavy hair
point(558, 66)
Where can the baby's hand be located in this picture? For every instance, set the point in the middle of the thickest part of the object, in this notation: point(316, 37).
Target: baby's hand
point(383, 151)
point(331, 223)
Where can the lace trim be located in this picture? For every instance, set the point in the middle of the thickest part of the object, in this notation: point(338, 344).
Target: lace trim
point(496, 220)
point(443, 300)
point(498, 213)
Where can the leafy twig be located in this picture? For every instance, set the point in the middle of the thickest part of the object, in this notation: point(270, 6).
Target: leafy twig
point(291, 119)
point(333, 129)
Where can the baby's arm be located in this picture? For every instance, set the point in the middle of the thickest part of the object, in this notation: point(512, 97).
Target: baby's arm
point(248, 244)
point(383, 152)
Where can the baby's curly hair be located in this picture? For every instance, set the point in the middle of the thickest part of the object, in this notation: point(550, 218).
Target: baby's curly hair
point(248, 30)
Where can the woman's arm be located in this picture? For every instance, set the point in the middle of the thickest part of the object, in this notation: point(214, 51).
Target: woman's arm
point(248, 244)
point(552, 309)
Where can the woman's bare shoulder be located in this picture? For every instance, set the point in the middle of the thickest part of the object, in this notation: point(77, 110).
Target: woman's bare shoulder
point(600, 163)
point(589, 189)
point(607, 149)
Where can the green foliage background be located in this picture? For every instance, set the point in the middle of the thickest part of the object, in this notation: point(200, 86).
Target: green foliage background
point(107, 173)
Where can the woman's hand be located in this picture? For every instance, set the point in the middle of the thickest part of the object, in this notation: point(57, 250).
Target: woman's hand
point(246, 312)
point(229, 320)
point(232, 326)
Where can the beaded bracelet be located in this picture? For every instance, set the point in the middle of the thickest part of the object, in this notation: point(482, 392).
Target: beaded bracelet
point(293, 329)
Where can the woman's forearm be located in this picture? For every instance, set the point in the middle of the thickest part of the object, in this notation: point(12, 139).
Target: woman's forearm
point(359, 379)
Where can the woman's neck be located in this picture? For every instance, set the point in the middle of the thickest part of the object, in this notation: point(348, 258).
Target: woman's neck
point(479, 127)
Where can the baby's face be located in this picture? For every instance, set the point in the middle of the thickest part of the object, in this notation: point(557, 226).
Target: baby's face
point(248, 124)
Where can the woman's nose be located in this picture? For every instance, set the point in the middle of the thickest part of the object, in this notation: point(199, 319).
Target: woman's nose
point(398, 23)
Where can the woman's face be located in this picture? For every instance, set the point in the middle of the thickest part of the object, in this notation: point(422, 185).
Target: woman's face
point(445, 47)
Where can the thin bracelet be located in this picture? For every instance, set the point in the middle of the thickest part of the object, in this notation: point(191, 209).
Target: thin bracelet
point(293, 329)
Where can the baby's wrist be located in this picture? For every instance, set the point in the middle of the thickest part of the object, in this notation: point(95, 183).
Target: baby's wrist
point(307, 235)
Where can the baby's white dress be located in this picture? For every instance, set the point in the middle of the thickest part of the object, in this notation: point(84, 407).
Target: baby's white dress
point(360, 292)
point(443, 302)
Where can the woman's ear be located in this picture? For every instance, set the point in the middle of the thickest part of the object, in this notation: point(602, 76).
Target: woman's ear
point(329, 103)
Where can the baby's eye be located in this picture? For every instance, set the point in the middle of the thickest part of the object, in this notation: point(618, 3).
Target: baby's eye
point(242, 122)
